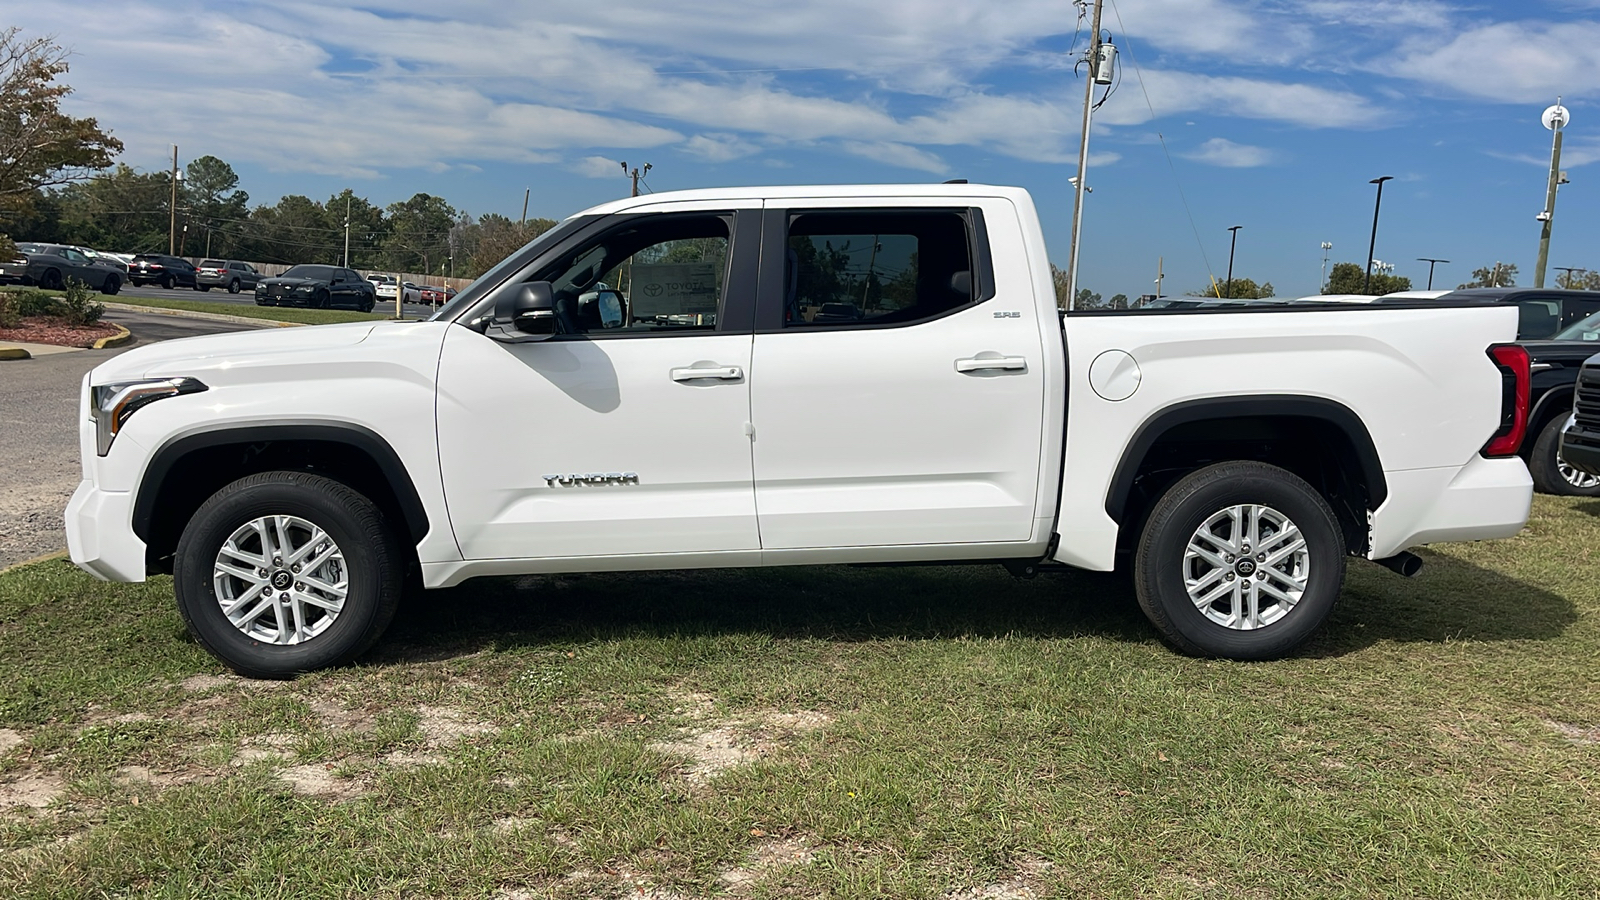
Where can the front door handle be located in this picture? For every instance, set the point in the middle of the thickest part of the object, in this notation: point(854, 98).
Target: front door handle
point(981, 363)
point(721, 373)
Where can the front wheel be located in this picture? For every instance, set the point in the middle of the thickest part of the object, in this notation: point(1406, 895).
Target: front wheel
point(167, 282)
point(1554, 475)
point(286, 572)
point(111, 285)
point(1239, 560)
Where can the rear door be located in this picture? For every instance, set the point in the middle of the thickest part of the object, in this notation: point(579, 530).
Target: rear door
point(899, 379)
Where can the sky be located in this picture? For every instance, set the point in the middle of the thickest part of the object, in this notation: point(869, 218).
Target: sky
point(1267, 114)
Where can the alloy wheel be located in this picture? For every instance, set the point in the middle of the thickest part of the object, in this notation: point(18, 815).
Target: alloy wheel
point(1246, 567)
point(280, 579)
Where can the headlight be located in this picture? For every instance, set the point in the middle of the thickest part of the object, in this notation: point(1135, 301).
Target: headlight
point(112, 404)
point(305, 288)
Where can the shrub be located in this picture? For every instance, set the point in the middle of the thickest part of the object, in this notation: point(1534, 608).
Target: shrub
point(77, 307)
point(36, 303)
point(10, 315)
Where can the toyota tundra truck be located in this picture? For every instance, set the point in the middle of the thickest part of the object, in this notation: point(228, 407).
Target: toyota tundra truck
point(796, 376)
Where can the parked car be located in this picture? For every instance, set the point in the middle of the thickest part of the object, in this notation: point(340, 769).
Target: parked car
point(229, 273)
point(437, 296)
point(50, 265)
point(15, 271)
point(1541, 311)
point(384, 284)
point(1236, 457)
point(114, 262)
point(317, 287)
point(1580, 439)
point(159, 268)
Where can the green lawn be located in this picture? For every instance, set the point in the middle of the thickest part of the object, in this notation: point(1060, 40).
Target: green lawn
point(251, 311)
point(821, 732)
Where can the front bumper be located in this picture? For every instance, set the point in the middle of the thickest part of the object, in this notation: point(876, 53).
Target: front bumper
point(1580, 448)
point(100, 534)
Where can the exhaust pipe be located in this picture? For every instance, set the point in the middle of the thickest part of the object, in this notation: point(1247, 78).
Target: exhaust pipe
point(1402, 563)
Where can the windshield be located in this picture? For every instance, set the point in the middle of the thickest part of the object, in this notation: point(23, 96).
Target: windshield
point(316, 273)
point(1585, 329)
point(30, 248)
point(213, 264)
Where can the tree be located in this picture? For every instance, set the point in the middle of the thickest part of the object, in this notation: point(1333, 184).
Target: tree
point(1087, 299)
point(40, 146)
point(419, 231)
point(1119, 301)
point(1351, 278)
point(216, 206)
point(1498, 275)
point(497, 237)
point(367, 228)
point(122, 210)
point(1579, 280)
point(1058, 278)
point(1242, 288)
point(296, 230)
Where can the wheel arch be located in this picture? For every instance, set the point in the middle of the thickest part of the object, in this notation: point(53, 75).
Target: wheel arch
point(1321, 440)
point(1559, 399)
point(189, 468)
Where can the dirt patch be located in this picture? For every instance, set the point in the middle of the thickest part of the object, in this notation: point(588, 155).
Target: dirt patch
point(32, 789)
point(768, 857)
point(10, 740)
point(717, 746)
point(1021, 886)
point(337, 717)
point(320, 781)
point(203, 682)
point(264, 746)
point(798, 721)
point(161, 779)
point(442, 726)
point(1577, 734)
point(711, 752)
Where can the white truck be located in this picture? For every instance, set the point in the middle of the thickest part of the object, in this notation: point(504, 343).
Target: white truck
point(795, 376)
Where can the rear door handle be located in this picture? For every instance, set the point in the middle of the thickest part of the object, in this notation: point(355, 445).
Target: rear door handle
point(979, 363)
point(721, 373)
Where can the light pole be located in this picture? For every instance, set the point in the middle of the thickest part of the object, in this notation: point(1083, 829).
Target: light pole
point(1568, 270)
point(1231, 246)
point(1431, 263)
point(1366, 286)
point(1555, 118)
point(1323, 284)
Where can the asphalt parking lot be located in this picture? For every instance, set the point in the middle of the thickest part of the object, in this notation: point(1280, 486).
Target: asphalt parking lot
point(39, 431)
point(246, 298)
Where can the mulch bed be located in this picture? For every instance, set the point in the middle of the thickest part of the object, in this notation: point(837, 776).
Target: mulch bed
point(55, 330)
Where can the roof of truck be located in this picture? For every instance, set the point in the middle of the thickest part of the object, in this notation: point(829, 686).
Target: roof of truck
point(810, 191)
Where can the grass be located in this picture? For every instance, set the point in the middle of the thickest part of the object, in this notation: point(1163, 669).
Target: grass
point(251, 311)
point(882, 732)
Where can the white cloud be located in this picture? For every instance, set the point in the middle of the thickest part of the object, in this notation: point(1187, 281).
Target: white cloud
point(903, 155)
point(597, 167)
point(1305, 105)
point(718, 147)
point(1509, 62)
point(1223, 152)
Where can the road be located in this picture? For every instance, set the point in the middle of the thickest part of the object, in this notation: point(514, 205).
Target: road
point(220, 295)
point(39, 432)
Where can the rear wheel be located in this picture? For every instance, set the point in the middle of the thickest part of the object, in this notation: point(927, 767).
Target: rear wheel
point(1239, 560)
point(1552, 474)
point(285, 572)
point(202, 287)
point(233, 286)
point(166, 282)
point(51, 280)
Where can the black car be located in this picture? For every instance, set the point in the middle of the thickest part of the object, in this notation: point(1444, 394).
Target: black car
point(1542, 312)
point(317, 287)
point(159, 268)
point(51, 265)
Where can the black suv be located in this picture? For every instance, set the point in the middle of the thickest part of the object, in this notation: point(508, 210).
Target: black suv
point(159, 268)
point(317, 287)
point(1580, 443)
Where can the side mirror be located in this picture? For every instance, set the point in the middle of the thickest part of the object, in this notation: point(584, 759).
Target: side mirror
point(526, 314)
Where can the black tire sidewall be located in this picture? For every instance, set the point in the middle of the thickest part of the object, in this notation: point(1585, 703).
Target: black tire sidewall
point(233, 286)
point(369, 560)
point(1180, 512)
point(1544, 466)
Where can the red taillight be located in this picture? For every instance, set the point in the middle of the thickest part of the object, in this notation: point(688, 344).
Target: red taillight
point(1516, 380)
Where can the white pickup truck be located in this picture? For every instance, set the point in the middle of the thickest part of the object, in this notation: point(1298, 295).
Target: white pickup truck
point(794, 376)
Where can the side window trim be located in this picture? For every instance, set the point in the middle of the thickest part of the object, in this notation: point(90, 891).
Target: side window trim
point(774, 254)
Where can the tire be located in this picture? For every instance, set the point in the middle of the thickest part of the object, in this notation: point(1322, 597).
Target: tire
point(203, 288)
point(166, 282)
point(233, 286)
point(366, 306)
point(111, 285)
point(320, 300)
point(1550, 472)
point(51, 280)
point(1203, 499)
point(364, 550)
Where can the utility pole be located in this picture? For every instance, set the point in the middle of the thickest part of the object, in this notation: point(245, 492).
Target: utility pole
point(525, 192)
point(1160, 262)
point(172, 209)
point(1431, 263)
point(347, 231)
point(1079, 184)
point(1366, 285)
point(1231, 246)
point(635, 175)
point(1555, 118)
point(1322, 286)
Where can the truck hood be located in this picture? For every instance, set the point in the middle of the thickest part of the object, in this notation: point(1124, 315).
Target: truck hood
point(235, 349)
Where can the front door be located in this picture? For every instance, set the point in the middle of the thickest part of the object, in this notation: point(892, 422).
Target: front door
point(899, 383)
point(628, 432)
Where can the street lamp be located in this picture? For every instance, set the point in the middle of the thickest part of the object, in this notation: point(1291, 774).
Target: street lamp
point(1366, 286)
point(1555, 118)
point(1231, 245)
point(1431, 262)
point(1323, 285)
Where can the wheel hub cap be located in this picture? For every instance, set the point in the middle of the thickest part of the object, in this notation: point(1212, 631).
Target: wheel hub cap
point(1246, 567)
point(280, 579)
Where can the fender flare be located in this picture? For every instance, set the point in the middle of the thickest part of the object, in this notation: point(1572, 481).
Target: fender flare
point(1261, 405)
point(357, 436)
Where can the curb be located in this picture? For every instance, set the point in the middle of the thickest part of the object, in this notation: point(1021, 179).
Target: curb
point(14, 353)
point(214, 317)
point(116, 340)
point(59, 554)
